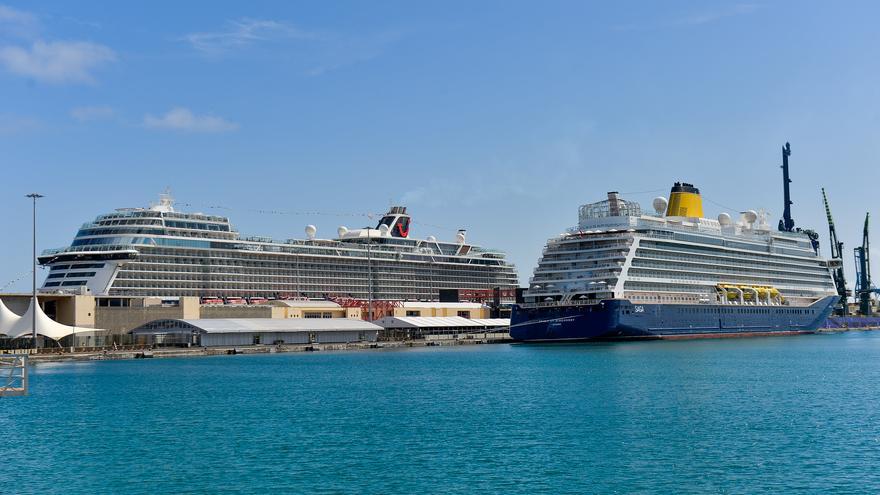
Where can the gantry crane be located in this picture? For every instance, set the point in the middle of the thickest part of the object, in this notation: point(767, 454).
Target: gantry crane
point(836, 262)
point(864, 288)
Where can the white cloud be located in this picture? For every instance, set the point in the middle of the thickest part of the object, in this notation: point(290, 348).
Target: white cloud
point(97, 112)
point(57, 61)
point(17, 23)
point(14, 124)
point(696, 19)
point(318, 53)
point(345, 51)
point(182, 119)
point(243, 32)
point(712, 16)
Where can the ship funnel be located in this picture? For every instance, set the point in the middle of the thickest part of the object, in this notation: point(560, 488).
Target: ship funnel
point(613, 205)
point(685, 201)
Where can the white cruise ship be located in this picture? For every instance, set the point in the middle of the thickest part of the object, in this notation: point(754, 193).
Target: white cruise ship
point(624, 274)
point(158, 251)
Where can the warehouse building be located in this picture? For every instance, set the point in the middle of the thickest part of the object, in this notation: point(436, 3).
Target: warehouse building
point(420, 327)
point(255, 331)
point(441, 309)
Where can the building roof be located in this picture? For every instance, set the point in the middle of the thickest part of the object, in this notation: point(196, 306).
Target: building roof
point(257, 325)
point(493, 322)
point(440, 322)
point(293, 303)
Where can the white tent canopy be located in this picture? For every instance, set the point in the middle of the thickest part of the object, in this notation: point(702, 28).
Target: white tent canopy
point(16, 326)
point(7, 319)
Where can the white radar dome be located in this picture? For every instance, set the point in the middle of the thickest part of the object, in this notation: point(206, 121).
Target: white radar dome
point(724, 219)
point(660, 204)
point(751, 216)
point(311, 230)
point(383, 229)
point(342, 230)
point(431, 238)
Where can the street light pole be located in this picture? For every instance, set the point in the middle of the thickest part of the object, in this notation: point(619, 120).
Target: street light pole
point(369, 276)
point(34, 196)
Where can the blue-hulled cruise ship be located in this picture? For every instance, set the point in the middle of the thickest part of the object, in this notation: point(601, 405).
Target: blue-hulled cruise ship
point(624, 274)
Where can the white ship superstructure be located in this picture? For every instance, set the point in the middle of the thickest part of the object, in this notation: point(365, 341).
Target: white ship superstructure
point(158, 251)
point(616, 252)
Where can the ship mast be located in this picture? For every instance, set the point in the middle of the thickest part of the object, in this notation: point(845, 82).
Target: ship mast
point(787, 223)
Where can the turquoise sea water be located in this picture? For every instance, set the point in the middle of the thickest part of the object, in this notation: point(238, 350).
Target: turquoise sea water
point(793, 414)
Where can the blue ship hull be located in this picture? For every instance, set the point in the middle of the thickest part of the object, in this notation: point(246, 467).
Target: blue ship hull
point(622, 319)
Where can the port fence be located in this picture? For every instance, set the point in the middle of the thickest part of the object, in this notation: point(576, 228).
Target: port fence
point(87, 343)
point(844, 322)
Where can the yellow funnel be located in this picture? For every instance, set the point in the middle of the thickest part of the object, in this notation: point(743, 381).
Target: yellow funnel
point(685, 201)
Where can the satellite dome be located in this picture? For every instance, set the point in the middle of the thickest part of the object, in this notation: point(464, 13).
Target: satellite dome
point(383, 229)
point(431, 238)
point(660, 204)
point(724, 219)
point(342, 230)
point(751, 216)
point(311, 230)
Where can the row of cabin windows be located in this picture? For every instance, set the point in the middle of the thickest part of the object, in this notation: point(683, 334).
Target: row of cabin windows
point(743, 310)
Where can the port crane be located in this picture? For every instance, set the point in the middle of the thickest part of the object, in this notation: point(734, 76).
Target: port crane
point(864, 287)
point(836, 262)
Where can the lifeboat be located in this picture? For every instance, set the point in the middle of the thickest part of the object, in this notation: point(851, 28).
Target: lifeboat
point(758, 294)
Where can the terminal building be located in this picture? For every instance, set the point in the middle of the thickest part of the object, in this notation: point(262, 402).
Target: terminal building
point(255, 331)
point(105, 320)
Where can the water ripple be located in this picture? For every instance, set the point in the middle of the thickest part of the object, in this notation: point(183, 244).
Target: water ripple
point(795, 415)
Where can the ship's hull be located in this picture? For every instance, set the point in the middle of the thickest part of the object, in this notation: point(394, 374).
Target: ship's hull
point(622, 319)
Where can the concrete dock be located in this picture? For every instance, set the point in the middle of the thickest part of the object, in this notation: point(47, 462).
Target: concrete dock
point(131, 352)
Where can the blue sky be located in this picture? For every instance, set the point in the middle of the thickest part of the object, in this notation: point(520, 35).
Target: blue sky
point(499, 117)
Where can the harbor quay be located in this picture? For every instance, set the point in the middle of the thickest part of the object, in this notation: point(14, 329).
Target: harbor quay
point(91, 323)
point(141, 351)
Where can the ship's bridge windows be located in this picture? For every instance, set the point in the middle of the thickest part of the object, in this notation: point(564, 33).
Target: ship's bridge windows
point(196, 226)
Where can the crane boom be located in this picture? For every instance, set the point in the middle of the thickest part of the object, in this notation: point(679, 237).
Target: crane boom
point(836, 254)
